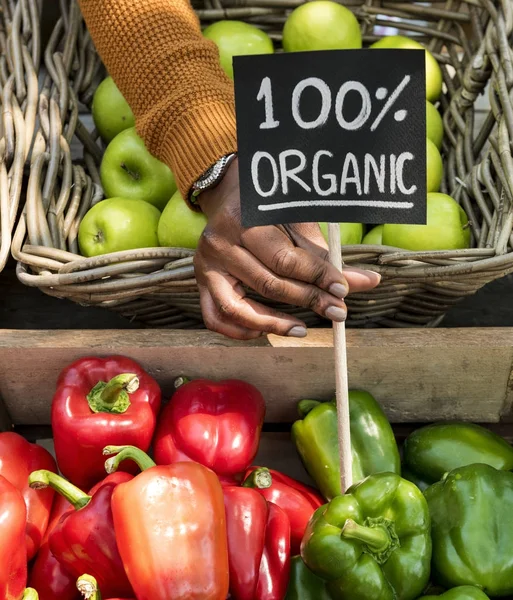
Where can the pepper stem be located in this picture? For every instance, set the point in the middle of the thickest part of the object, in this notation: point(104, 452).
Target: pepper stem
point(88, 587)
point(260, 478)
point(140, 458)
point(306, 406)
point(113, 397)
point(30, 594)
point(39, 480)
point(180, 381)
point(377, 539)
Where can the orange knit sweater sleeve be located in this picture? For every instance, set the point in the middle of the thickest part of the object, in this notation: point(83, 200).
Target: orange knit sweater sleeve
point(171, 77)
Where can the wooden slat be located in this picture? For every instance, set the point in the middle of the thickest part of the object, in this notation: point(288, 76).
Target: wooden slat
point(417, 375)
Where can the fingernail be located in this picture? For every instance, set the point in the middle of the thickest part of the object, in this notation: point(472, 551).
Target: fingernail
point(334, 313)
point(339, 290)
point(298, 331)
point(373, 273)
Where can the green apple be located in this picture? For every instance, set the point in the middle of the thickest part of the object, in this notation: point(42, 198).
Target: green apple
point(434, 78)
point(434, 167)
point(434, 125)
point(321, 25)
point(179, 226)
point(128, 170)
point(375, 236)
point(447, 228)
point(351, 234)
point(118, 224)
point(111, 113)
point(236, 38)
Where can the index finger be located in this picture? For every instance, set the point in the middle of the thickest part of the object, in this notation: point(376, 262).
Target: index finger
point(308, 236)
point(275, 249)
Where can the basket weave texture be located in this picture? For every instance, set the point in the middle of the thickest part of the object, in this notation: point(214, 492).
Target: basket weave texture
point(19, 65)
point(471, 39)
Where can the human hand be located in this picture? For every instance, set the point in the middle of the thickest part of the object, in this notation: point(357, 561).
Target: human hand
point(287, 264)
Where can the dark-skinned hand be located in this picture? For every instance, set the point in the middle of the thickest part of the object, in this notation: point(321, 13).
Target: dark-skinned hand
point(286, 264)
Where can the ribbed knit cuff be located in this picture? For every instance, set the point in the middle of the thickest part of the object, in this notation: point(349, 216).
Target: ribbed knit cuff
point(197, 140)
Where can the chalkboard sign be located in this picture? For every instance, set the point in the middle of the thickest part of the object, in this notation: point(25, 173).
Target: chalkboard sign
point(337, 136)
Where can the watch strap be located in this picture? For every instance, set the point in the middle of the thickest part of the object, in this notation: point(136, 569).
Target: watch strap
point(211, 177)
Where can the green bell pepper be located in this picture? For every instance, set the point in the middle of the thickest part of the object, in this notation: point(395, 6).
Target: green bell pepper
point(434, 450)
point(465, 592)
point(472, 529)
point(372, 543)
point(303, 584)
point(373, 443)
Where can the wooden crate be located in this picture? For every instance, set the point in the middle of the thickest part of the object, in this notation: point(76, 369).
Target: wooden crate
point(417, 375)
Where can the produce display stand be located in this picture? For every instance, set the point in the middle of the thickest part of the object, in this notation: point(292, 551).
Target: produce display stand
point(418, 375)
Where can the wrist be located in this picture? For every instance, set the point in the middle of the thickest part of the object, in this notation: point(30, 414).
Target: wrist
point(210, 200)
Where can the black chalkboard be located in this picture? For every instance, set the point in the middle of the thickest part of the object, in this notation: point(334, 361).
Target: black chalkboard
point(337, 136)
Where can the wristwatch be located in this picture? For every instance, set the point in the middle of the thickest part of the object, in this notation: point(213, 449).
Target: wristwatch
point(211, 177)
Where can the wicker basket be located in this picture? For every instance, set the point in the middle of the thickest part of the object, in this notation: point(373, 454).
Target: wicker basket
point(472, 41)
point(19, 67)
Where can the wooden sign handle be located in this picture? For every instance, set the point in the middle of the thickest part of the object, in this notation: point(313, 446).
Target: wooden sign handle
point(342, 384)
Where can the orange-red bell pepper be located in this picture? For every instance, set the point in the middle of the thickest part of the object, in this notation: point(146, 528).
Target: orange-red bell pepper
point(171, 529)
point(84, 539)
point(18, 458)
point(13, 554)
point(100, 401)
point(216, 424)
point(298, 500)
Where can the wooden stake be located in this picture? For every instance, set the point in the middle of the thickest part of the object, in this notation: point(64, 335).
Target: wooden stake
point(342, 384)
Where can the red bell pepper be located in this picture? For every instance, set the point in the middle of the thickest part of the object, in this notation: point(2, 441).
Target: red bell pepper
point(299, 501)
point(47, 575)
point(18, 458)
point(83, 539)
point(13, 554)
point(216, 424)
point(88, 414)
point(258, 545)
point(88, 587)
point(171, 529)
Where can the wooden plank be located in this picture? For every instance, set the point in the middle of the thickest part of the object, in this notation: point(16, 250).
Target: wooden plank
point(507, 415)
point(417, 375)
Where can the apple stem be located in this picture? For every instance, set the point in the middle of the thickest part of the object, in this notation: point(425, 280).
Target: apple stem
point(133, 174)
